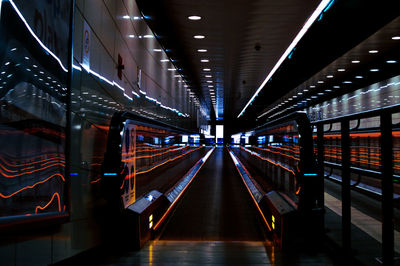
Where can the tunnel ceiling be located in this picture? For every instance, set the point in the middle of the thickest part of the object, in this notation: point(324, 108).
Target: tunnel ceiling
point(245, 39)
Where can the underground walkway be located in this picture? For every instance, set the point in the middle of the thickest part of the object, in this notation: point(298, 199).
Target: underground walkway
point(215, 223)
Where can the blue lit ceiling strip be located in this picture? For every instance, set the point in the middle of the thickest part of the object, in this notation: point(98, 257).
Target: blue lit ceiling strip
point(322, 7)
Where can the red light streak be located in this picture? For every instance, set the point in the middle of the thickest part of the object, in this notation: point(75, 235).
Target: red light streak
point(32, 186)
point(156, 166)
point(95, 181)
point(30, 167)
point(34, 162)
point(52, 198)
point(277, 152)
point(268, 160)
point(151, 156)
point(169, 160)
point(30, 172)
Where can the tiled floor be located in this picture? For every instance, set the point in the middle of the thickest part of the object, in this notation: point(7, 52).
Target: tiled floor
point(216, 253)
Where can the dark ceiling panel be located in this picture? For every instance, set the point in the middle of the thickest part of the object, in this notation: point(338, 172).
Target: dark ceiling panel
point(245, 39)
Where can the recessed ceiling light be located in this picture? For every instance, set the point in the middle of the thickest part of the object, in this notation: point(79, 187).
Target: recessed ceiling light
point(157, 50)
point(202, 50)
point(185, 86)
point(194, 17)
point(171, 69)
point(320, 93)
point(209, 81)
point(336, 87)
point(358, 77)
point(206, 69)
point(177, 76)
point(341, 70)
point(164, 60)
point(355, 61)
point(329, 76)
point(305, 90)
point(211, 86)
point(131, 36)
point(374, 70)
point(312, 86)
point(347, 82)
point(208, 76)
point(126, 17)
point(204, 60)
point(299, 93)
point(320, 81)
point(391, 61)
point(396, 38)
point(199, 36)
point(148, 36)
point(372, 51)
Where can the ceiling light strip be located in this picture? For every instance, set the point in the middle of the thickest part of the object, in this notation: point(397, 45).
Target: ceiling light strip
point(307, 25)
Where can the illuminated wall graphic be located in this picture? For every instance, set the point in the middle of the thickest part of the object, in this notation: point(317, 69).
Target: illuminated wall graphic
point(33, 56)
point(278, 150)
point(145, 153)
point(129, 158)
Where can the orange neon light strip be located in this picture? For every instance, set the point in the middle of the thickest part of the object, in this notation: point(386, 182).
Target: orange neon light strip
point(151, 156)
point(30, 172)
point(159, 154)
point(158, 165)
point(52, 198)
point(30, 163)
point(169, 160)
point(32, 186)
point(32, 158)
point(277, 152)
point(30, 167)
point(289, 149)
point(177, 198)
point(95, 181)
point(268, 160)
point(149, 149)
point(254, 200)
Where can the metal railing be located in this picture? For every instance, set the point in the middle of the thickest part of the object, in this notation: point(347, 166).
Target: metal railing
point(386, 174)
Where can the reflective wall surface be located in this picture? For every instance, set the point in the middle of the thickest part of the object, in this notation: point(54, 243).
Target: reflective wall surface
point(117, 65)
point(33, 96)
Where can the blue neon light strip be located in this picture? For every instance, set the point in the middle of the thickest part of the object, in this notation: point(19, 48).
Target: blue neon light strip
point(110, 173)
point(253, 189)
point(73, 174)
point(177, 190)
point(310, 174)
